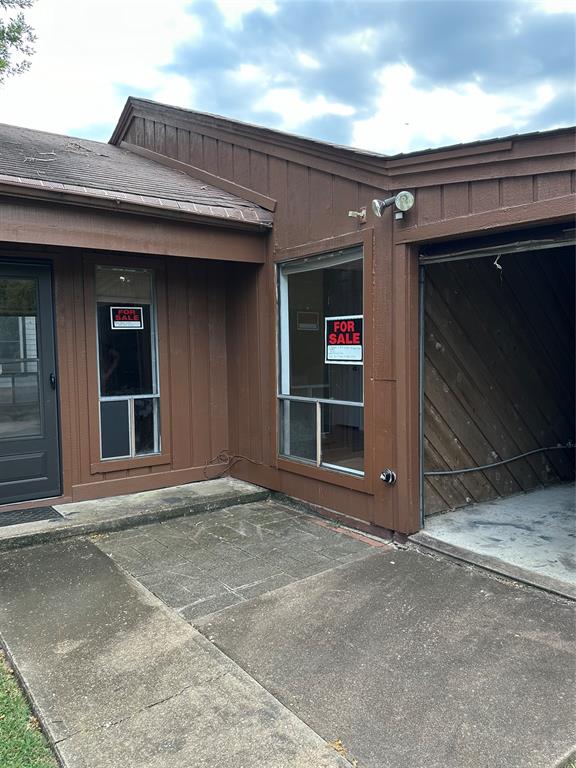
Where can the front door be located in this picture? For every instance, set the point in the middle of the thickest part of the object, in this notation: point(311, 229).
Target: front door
point(29, 452)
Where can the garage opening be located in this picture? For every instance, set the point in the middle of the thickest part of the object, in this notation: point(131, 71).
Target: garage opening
point(498, 402)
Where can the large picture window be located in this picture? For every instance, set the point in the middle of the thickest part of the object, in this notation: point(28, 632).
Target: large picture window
point(127, 363)
point(321, 361)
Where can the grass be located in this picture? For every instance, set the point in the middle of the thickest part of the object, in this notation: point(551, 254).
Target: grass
point(22, 744)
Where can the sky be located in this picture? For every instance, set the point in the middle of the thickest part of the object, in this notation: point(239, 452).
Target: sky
point(387, 76)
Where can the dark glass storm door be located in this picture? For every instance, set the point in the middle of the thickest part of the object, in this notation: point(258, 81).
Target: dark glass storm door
point(29, 452)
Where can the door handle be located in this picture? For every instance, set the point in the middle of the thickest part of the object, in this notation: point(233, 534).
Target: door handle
point(52, 380)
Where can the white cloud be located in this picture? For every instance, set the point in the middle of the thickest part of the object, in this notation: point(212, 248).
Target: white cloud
point(249, 73)
point(363, 40)
point(409, 118)
point(307, 61)
point(234, 10)
point(294, 110)
point(555, 6)
point(86, 50)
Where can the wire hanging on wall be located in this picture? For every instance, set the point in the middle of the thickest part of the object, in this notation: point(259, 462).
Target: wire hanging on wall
point(227, 458)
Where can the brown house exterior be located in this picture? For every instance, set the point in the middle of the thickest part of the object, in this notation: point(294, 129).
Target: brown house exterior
point(229, 223)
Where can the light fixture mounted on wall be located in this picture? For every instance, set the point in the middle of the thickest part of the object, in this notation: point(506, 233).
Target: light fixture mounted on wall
point(403, 201)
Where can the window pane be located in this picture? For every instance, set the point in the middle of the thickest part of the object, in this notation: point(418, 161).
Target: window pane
point(115, 429)
point(19, 406)
point(314, 294)
point(126, 284)
point(17, 297)
point(298, 430)
point(125, 355)
point(343, 436)
point(145, 421)
point(20, 414)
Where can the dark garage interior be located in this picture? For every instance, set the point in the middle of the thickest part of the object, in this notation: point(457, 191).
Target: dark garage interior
point(499, 382)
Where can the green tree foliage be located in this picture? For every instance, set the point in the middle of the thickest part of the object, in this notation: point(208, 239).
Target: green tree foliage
point(16, 38)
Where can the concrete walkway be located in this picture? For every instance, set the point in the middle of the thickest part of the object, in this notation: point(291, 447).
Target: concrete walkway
point(208, 562)
point(316, 649)
point(121, 512)
point(119, 681)
point(413, 661)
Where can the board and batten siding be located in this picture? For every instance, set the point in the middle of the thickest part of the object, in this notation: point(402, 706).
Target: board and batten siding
point(191, 300)
point(473, 191)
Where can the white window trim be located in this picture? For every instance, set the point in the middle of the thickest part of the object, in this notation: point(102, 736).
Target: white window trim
point(283, 271)
point(155, 395)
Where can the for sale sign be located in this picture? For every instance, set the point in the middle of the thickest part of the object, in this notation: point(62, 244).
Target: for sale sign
point(123, 318)
point(344, 341)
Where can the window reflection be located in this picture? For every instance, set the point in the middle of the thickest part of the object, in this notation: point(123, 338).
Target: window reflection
point(127, 363)
point(327, 291)
point(320, 389)
point(20, 413)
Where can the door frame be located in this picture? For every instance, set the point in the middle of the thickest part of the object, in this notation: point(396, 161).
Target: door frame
point(23, 264)
point(478, 245)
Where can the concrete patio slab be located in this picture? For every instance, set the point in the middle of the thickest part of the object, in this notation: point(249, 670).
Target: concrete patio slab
point(530, 537)
point(203, 564)
point(122, 512)
point(119, 681)
point(413, 660)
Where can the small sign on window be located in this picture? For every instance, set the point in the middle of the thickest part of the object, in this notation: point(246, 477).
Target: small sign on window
point(307, 321)
point(344, 340)
point(126, 318)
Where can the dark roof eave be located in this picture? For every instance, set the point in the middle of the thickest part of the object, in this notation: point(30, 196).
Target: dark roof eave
point(79, 199)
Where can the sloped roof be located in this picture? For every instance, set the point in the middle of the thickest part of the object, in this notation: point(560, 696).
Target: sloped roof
point(52, 162)
point(277, 136)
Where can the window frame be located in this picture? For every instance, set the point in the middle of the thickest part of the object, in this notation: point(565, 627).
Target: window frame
point(308, 263)
point(99, 466)
point(155, 394)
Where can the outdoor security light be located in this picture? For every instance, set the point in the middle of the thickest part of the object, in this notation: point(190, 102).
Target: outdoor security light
point(403, 201)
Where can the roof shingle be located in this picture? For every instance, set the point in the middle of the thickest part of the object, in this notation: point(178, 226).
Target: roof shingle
point(62, 163)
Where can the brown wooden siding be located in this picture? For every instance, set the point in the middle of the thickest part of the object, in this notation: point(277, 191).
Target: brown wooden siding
point(499, 374)
point(191, 299)
point(477, 191)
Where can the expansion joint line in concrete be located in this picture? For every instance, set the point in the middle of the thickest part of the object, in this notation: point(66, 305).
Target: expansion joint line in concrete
point(120, 720)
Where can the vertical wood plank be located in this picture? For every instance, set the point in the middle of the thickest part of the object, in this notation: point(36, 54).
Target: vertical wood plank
point(322, 213)
point(241, 161)
point(180, 355)
point(196, 149)
point(217, 360)
point(429, 205)
point(278, 189)
point(149, 142)
point(517, 190)
point(259, 172)
point(297, 224)
point(160, 138)
point(171, 141)
point(549, 185)
point(210, 162)
point(199, 369)
point(225, 160)
point(484, 195)
point(183, 145)
point(455, 200)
